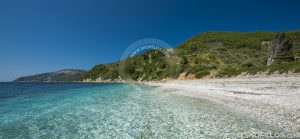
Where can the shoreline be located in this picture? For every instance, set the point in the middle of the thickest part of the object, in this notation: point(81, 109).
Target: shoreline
point(272, 100)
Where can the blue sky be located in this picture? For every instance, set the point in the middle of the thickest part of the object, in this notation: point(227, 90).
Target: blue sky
point(46, 35)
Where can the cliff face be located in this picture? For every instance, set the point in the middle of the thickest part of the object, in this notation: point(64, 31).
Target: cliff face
point(279, 50)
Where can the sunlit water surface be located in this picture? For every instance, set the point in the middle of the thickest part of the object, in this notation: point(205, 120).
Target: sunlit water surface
point(60, 110)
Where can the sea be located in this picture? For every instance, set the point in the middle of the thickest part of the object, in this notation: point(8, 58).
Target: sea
point(104, 110)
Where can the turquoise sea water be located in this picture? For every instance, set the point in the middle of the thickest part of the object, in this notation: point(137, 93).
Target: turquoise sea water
point(61, 110)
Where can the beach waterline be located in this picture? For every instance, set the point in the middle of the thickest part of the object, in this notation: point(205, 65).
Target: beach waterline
point(114, 111)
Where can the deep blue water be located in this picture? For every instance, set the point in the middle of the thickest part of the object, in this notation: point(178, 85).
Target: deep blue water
point(74, 110)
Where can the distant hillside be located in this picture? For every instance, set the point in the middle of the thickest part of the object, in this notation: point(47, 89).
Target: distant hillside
point(213, 54)
point(66, 75)
point(225, 54)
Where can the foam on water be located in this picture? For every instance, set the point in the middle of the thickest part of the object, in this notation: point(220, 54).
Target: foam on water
point(113, 111)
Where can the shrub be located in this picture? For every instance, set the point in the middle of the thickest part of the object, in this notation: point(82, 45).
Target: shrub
point(256, 69)
point(201, 74)
point(229, 71)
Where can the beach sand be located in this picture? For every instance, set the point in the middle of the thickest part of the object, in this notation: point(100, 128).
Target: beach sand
point(273, 100)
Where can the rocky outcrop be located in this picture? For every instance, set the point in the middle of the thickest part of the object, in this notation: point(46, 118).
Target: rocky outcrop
point(279, 50)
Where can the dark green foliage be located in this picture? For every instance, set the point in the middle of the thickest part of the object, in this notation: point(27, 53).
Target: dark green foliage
point(228, 53)
point(281, 68)
point(104, 71)
point(184, 64)
point(296, 52)
point(255, 69)
point(229, 71)
point(202, 73)
point(152, 65)
point(247, 64)
point(285, 67)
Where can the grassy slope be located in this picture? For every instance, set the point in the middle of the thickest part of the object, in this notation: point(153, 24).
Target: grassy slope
point(231, 53)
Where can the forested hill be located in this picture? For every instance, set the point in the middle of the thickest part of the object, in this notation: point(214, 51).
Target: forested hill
point(66, 75)
point(212, 54)
point(207, 55)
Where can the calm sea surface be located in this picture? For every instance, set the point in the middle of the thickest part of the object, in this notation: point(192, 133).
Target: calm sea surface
point(66, 110)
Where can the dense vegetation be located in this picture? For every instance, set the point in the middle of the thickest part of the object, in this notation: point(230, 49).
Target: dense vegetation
point(232, 53)
point(211, 54)
point(151, 65)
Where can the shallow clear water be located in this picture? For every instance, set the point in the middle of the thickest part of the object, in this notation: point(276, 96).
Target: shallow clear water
point(57, 110)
